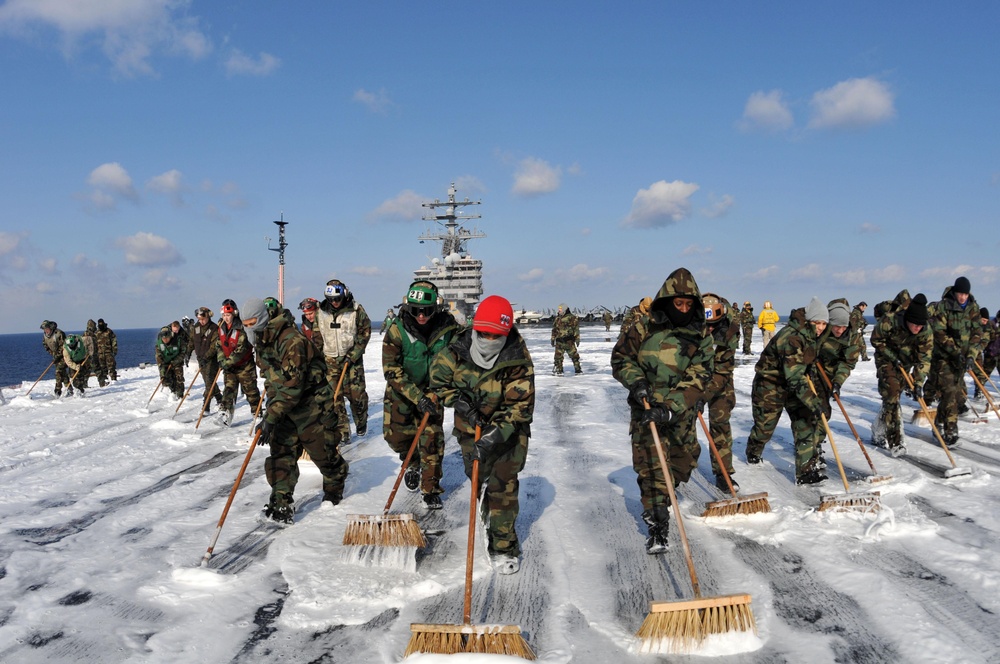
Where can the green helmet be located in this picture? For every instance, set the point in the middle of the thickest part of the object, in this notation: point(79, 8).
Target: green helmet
point(421, 294)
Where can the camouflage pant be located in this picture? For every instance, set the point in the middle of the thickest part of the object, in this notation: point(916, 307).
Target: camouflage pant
point(680, 445)
point(209, 372)
point(172, 377)
point(498, 479)
point(952, 391)
point(79, 377)
point(62, 374)
point(400, 420)
point(352, 389)
point(890, 385)
point(721, 401)
point(569, 348)
point(311, 427)
point(768, 401)
point(747, 337)
point(245, 377)
point(989, 365)
point(108, 362)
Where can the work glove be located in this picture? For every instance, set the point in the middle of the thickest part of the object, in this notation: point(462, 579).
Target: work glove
point(428, 405)
point(488, 443)
point(468, 413)
point(639, 391)
point(916, 393)
point(700, 406)
point(970, 363)
point(266, 430)
point(657, 414)
point(835, 388)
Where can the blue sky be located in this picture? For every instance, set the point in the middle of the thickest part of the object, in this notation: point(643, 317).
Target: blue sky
point(777, 150)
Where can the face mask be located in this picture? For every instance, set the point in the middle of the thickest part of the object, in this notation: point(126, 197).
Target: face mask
point(486, 351)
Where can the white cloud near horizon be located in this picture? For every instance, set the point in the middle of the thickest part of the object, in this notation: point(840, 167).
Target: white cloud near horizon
point(532, 276)
point(405, 206)
point(239, 63)
point(130, 32)
point(170, 184)
point(535, 177)
point(376, 102)
point(766, 111)
point(366, 270)
point(854, 103)
point(663, 204)
point(696, 250)
point(149, 250)
point(581, 272)
point(986, 274)
point(810, 272)
point(718, 207)
point(764, 273)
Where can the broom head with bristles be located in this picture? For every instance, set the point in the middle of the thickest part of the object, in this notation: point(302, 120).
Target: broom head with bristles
point(453, 639)
point(878, 479)
point(383, 530)
point(920, 418)
point(754, 503)
point(680, 627)
point(869, 502)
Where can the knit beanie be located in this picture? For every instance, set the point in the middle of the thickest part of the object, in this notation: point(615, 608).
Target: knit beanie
point(962, 285)
point(984, 313)
point(916, 313)
point(493, 315)
point(839, 314)
point(816, 311)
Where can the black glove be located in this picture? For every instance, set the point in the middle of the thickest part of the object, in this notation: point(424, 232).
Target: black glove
point(266, 430)
point(835, 388)
point(427, 405)
point(917, 392)
point(657, 414)
point(970, 363)
point(487, 443)
point(553, 343)
point(700, 406)
point(468, 412)
point(639, 390)
point(815, 407)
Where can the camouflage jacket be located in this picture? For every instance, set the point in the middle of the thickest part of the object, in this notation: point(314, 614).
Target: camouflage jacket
point(566, 327)
point(629, 319)
point(747, 320)
point(895, 345)
point(294, 371)
point(993, 347)
point(957, 330)
point(677, 362)
point(857, 321)
point(407, 354)
point(726, 337)
point(790, 356)
point(986, 337)
point(890, 307)
point(53, 344)
point(107, 341)
point(204, 342)
point(503, 395)
point(839, 355)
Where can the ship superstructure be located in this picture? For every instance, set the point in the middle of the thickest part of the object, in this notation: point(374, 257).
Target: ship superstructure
point(458, 276)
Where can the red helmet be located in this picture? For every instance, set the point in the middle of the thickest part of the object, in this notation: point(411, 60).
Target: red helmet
point(228, 307)
point(309, 304)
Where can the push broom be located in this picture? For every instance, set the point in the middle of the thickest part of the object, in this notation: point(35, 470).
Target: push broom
point(755, 503)
point(982, 389)
point(849, 502)
point(452, 639)
point(40, 377)
point(209, 389)
point(181, 402)
point(388, 529)
point(874, 478)
point(680, 626)
point(947, 473)
point(229, 502)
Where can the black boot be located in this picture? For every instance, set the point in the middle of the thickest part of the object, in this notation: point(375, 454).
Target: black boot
point(658, 526)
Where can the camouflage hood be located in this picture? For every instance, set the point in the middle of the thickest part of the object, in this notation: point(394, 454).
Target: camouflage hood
point(274, 327)
point(91, 326)
point(797, 320)
point(680, 283)
point(902, 300)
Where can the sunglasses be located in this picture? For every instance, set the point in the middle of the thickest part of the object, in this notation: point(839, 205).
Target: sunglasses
point(423, 311)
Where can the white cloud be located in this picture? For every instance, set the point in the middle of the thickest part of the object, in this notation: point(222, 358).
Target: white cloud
point(376, 102)
point(9, 242)
point(718, 207)
point(857, 102)
point(130, 32)
point(405, 206)
point(809, 272)
point(765, 273)
point(148, 250)
point(663, 204)
point(87, 268)
point(158, 279)
point(767, 111)
point(582, 272)
point(532, 276)
point(239, 63)
point(869, 229)
point(861, 277)
point(49, 266)
point(170, 184)
point(696, 250)
point(987, 274)
point(467, 184)
point(534, 177)
point(366, 270)
point(111, 178)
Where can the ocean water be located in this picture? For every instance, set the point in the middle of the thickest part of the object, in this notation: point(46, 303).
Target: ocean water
point(22, 357)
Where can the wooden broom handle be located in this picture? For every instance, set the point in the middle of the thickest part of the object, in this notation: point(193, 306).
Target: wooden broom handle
point(196, 374)
point(861, 444)
point(40, 377)
point(983, 390)
point(829, 435)
point(158, 386)
point(340, 381)
point(406, 463)
point(930, 420)
point(208, 396)
point(229, 502)
point(985, 374)
point(718, 457)
point(467, 605)
point(673, 500)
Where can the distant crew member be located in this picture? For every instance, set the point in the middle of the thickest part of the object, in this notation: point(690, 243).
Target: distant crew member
point(53, 340)
point(766, 321)
point(236, 358)
point(565, 338)
point(107, 349)
point(204, 344)
point(170, 361)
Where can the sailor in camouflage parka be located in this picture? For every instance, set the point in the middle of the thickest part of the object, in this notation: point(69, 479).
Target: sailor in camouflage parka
point(501, 401)
point(170, 360)
point(902, 342)
point(858, 325)
point(666, 359)
point(839, 350)
point(780, 383)
point(954, 320)
point(565, 339)
point(634, 314)
point(747, 320)
point(723, 325)
point(53, 340)
point(300, 411)
point(990, 346)
point(97, 368)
